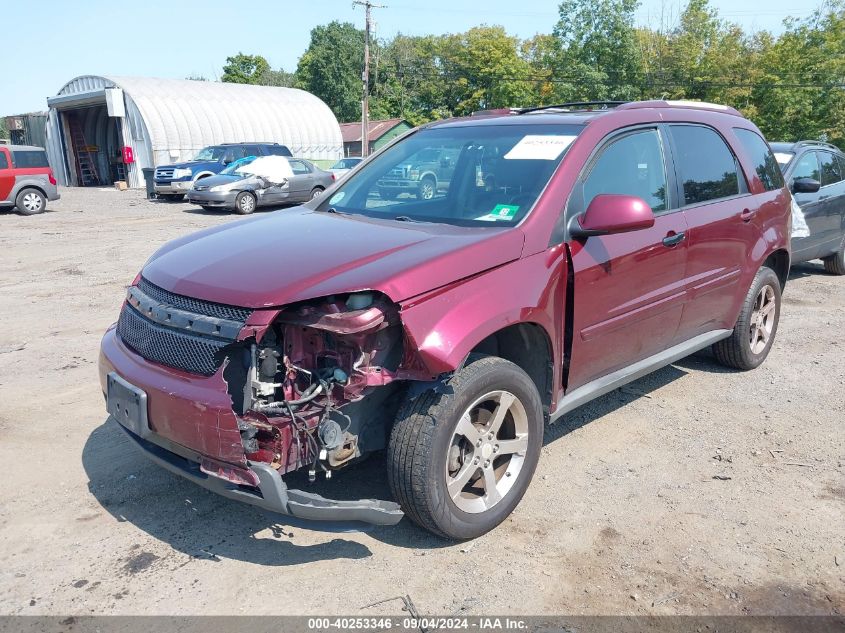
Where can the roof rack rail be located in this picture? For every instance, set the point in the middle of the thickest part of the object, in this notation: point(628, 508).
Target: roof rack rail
point(680, 103)
point(597, 105)
point(821, 143)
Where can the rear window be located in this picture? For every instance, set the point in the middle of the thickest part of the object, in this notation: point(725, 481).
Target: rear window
point(707, 167)
point(278, 150)
point(765, 163)
point(25, 158)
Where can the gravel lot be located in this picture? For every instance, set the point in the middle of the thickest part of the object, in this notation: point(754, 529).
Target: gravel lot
point(695, 490)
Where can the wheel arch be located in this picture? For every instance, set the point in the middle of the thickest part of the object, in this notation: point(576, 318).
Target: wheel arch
point(21, 187)
point(528, 346)
point(203, 174)
point(779, 261)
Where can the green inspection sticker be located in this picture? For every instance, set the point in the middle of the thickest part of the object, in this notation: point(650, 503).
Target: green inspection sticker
point(500, 212)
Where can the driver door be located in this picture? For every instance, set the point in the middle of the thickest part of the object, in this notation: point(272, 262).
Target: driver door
point(628, 291)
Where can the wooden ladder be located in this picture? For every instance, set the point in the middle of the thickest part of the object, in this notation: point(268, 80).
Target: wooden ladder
point(86, 164)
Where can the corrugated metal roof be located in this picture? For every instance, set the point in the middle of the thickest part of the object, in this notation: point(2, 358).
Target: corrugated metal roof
point(184, 115)
point(351, 132)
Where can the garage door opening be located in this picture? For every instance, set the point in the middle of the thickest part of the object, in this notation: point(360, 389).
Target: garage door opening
point(93, 145)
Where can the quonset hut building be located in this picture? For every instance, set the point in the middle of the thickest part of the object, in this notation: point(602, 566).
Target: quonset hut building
point(93, 119)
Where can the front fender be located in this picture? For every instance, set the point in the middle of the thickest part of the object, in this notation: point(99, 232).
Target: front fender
point(446, 325)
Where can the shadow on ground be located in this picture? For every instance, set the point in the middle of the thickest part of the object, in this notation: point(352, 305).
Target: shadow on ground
point(202, 524)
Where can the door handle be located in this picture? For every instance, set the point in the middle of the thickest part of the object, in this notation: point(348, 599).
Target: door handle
point(674, 239)
point(747, 215)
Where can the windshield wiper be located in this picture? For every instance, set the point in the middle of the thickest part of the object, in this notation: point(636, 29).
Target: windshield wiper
point(407, 218)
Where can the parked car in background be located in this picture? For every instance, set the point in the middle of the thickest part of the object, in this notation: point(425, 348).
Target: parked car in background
point(815, 173)
point(26, 180)
point(345, 165)
point(571, 252)
point(243, 187)
point(172, 182)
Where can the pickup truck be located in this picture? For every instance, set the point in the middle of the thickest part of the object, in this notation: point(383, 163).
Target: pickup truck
point(422, 175)
point(172, 182)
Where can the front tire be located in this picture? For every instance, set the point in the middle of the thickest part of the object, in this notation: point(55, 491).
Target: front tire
point(460, 460)
point(428, 188)
point(749, 344)
point(835, 264)
point(174, 197)
point(31, 202)
point(245, 203)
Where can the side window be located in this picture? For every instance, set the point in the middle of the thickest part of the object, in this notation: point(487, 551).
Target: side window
point(764, 161)
point(29, 158)
point(4, 162)
point(706, 166)
point(633, 165)
point(841, 160)
point(807, 167)
point(252, 150)
point(829, 168)
point(299, 168)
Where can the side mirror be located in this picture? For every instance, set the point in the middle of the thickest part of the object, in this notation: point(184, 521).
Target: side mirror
point(610, 213)
point(805, 185)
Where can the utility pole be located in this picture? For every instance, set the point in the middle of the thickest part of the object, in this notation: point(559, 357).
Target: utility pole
point(365, 101)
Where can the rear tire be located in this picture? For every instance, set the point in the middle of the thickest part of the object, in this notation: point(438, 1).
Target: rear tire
point(749, 344)
point(450, 446)
point(835, 264)
point(30, 202)
point(316, 192)
point(245, 203)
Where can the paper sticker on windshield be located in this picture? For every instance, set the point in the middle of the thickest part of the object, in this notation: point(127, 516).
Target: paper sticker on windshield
point(539, 147)
point(340, 195)
point(501, 212)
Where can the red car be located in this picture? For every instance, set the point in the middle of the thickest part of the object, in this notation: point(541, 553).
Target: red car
point(575, 248)
point(26, 180)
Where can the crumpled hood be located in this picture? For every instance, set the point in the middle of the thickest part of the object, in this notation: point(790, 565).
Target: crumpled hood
point(297, 254)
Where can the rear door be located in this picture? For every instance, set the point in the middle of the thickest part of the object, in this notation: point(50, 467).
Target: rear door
point(805, 248)
point(7, 175)
point(831, 202)
point(302, 181)
point(723, 228)
point(628, 288)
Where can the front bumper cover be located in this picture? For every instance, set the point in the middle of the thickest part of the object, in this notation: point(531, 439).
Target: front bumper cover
point(173, 186)
point(271, 493)
point(212, 199)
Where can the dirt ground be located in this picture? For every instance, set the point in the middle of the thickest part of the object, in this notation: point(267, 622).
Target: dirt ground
point(695, 490)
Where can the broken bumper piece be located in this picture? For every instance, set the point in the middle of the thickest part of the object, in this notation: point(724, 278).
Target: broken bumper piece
point(271, 493)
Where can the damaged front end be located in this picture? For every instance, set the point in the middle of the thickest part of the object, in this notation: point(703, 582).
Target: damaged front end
point(314, 386)
point(321, 386)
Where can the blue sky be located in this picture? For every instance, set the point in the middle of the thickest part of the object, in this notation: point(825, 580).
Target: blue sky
point(188, 37)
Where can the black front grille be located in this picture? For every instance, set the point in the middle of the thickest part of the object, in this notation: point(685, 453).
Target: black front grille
point(197, 306)
point(169, 346)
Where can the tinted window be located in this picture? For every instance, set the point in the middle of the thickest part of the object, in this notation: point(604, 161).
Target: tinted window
point(4, 163)
point(764, 161)
point(841, 160)
point(29, 158)
point(278, 150)
point(633, 165)
point(706, 166)
point(252, 150)
point(829, 168)
point(807, 167)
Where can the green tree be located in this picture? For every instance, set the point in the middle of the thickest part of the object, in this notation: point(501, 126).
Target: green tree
point(801, 94)
point(598, 56)
point(244, 69)
point(331, 68)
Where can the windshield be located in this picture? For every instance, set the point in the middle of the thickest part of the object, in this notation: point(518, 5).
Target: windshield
point(210, 153)
point(239, 166)
point(470, 175)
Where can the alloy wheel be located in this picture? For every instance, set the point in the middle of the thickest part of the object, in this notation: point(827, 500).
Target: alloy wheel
point(247, 204)
point(762, 319)
point(427, 190)
point(487, 451)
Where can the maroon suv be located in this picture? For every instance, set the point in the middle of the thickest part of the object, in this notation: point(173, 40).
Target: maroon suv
point(573, 249)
